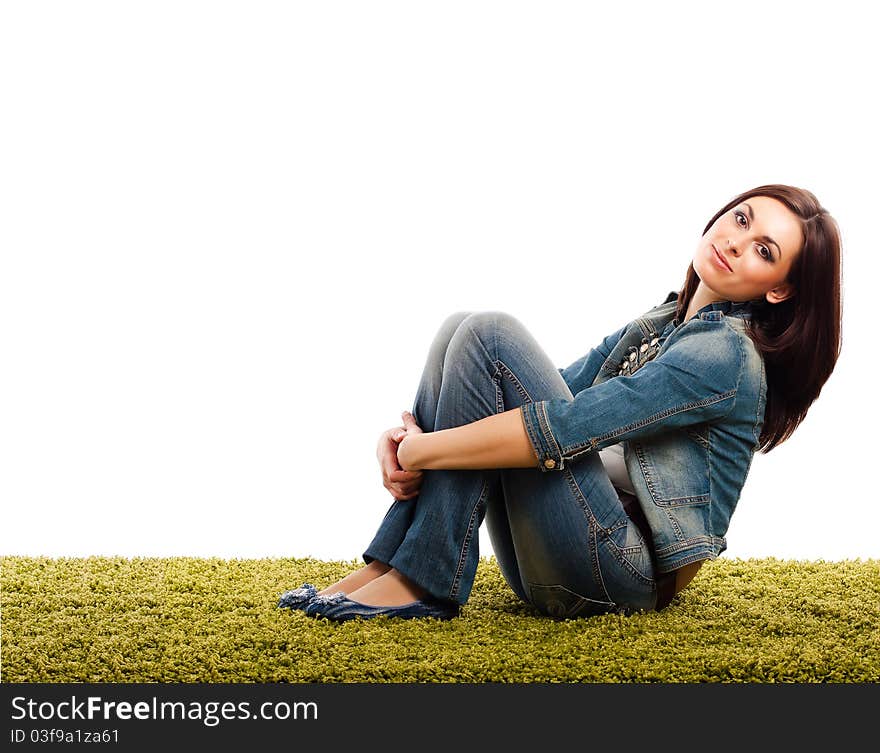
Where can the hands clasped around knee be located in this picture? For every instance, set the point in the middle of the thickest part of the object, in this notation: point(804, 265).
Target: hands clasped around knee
point(403, 485)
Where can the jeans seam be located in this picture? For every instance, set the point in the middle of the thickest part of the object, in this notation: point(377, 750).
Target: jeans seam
point(499, 391)
point(465, 547)
point(594, 557)
point(683, 544)
point(581, 498)
point(505, 369)
point(621, 558)
point(592, 528)
point(622, 523)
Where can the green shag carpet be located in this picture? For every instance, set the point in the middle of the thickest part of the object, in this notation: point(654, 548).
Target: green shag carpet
point(112, 619)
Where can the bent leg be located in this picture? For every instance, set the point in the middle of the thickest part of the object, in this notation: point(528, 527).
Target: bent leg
point(544, 526)
point(575, 550)
point(557, 535)
point(399, 516)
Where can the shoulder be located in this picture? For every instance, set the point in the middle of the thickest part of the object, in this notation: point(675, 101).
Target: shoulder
point(709, 344)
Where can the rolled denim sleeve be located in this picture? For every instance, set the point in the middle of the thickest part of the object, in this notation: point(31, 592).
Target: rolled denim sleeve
point(582, 372)
point(693, 381)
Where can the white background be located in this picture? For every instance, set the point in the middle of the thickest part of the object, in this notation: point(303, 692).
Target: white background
point(231, 229)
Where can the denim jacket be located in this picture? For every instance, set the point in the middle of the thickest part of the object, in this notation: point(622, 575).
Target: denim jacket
point(687, 402)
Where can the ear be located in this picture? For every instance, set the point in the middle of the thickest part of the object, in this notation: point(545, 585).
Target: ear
point(780, 293)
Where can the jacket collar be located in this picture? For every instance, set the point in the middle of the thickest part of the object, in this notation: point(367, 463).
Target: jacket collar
point(730, 308)
point(741, 309)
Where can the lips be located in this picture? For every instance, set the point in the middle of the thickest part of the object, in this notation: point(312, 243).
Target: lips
point(722, 259)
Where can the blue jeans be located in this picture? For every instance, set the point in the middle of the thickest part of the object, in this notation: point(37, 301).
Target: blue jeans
point(562, 540)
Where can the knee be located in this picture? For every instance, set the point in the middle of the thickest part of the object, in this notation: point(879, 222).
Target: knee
point(452, 322)
point(490, 330)
point(445, 332)
point(490, 321)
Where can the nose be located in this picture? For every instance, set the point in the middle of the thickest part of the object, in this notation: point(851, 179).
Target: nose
point(732, 248)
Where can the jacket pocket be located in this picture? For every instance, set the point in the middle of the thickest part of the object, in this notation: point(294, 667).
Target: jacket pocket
point(675, 466)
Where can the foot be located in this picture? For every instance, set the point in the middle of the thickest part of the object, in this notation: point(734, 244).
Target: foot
point(357, 579)
point(389, 590)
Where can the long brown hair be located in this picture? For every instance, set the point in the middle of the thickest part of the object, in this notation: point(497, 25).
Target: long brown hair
point(800, 337)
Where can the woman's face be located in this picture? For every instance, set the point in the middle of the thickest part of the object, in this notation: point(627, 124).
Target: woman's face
point(757, 242)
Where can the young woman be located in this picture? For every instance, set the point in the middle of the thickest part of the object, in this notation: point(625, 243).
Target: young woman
point(606, 484)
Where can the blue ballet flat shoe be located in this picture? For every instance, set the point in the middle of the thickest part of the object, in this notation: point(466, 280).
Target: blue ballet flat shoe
point(340, 608)
point(298, 598)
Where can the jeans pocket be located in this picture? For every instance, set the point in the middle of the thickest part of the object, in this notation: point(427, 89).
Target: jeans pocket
point(561, 603)
point(625, 543)
point(627, 565)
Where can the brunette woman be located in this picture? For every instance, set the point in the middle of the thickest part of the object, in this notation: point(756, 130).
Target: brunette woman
point(604, 485)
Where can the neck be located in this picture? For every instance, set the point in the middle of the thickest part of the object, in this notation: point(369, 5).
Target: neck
point(703, 296)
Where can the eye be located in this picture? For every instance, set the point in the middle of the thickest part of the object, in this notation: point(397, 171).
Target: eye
point(763, 251)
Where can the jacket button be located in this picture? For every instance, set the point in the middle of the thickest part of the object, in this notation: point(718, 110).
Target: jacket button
point(644, 347)
point(549, 463)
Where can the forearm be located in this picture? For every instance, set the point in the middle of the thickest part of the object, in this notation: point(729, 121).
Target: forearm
point(498, 441)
